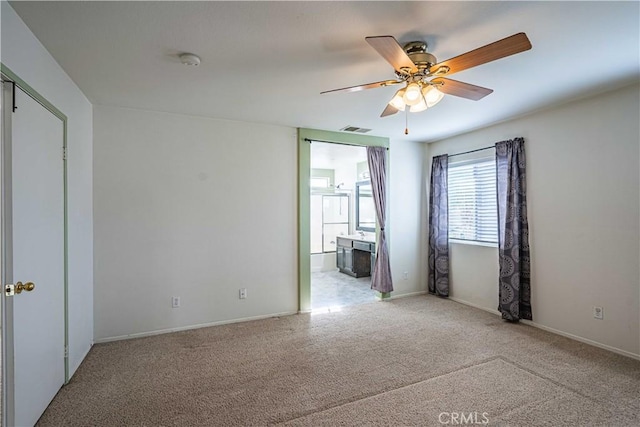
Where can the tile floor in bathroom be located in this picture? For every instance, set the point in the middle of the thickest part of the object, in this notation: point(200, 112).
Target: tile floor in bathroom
point(335, 289)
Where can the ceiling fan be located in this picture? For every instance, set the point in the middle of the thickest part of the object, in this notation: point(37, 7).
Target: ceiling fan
point(424, 78)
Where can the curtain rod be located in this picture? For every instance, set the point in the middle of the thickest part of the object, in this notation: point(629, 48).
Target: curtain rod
point(472, 151)
point(339, 143)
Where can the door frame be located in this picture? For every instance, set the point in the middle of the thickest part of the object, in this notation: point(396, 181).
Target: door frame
point(304, 199)
point(7, 304)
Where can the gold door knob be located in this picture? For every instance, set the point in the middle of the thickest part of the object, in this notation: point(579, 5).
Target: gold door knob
point(29, 286)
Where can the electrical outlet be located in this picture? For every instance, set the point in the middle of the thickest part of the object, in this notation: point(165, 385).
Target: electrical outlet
point(175, 302)
point(405, 276)
point(598, 313)
point(243, 293)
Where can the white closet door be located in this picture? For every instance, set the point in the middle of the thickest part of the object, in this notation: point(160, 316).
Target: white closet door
point(36, 245)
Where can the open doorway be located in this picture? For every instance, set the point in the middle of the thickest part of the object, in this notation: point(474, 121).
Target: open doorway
point(342, 227)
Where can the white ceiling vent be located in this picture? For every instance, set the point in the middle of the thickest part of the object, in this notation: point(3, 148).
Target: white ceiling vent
point(355, 129)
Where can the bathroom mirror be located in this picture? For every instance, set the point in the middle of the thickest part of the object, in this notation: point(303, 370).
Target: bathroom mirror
point(365, 209)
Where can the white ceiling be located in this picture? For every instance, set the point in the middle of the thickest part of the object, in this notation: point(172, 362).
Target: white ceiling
point(268, 61)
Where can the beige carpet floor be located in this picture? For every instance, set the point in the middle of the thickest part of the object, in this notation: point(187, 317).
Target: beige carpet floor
point(411, 361)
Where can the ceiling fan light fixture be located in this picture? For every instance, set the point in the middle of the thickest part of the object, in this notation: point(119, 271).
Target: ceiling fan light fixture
point(420, 106)
point(412, 94)
point(397, 102)
point(432, 96)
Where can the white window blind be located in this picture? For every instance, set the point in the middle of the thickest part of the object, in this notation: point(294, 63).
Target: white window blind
point(473, 212)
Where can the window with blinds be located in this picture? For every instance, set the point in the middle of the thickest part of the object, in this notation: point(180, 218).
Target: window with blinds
point(473, 212)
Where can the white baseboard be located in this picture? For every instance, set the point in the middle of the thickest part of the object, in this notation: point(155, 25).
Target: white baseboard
point(556, 331)
point(410, 294)
point(584, 340)
point(186, 328)
point(288, 313)
point(496, 312)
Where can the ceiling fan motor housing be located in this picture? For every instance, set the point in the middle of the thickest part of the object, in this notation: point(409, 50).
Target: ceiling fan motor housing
point(417, 52)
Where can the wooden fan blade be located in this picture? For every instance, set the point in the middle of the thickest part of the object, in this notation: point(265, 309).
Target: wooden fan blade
point(389, 49)
point(390, 110)
point(364, 86)
point(509, 46)
point(463, 90)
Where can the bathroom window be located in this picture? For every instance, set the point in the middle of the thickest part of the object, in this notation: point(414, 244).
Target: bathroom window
point(320, 182)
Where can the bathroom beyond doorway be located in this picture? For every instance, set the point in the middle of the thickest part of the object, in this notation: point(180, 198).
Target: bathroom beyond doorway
point(337, 174)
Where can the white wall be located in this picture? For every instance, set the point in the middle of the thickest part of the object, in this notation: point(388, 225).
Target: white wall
point(406, 217)
point(584, 210)
point(26, 57)
point(196, 208)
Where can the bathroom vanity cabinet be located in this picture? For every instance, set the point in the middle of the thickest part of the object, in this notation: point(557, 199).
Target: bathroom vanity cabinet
point(355, 255)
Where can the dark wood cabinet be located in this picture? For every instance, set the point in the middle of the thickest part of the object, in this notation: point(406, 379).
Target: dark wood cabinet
point(354, 257)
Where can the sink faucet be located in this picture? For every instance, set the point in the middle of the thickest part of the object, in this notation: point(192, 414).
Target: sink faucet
point(361, 233)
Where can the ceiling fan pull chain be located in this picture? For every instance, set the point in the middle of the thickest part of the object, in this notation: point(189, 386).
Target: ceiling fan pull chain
point(406, 121)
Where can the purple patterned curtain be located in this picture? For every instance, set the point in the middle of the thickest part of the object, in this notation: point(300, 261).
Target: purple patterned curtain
point(513, 231)
point(438, 280)
point(381, 275)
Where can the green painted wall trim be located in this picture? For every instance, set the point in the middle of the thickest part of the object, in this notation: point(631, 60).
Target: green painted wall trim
point(304, 199)
point(383, 295)
point(26, 88)
point(344, 138)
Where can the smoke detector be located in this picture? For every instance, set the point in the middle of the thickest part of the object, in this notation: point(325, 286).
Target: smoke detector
point(190, 59)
